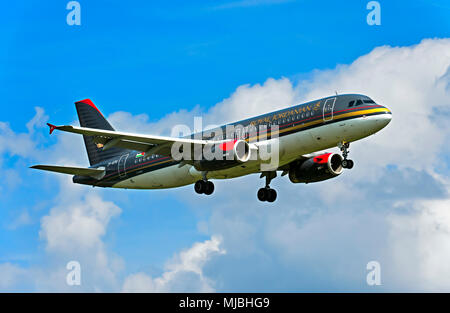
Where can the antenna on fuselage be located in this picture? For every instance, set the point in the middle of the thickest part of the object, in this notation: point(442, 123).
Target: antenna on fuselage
point(336, 92)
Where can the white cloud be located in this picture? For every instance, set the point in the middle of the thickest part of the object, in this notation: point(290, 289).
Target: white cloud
point(249, 100)
point(74, 229)
point(334, 228)
point(38, 121)
point(10, 274)
point(183, 274)
point(15, 144)
point(408, 80)
point(75, 226)
point(78, 224)
point(420, 245)
point(21, 144)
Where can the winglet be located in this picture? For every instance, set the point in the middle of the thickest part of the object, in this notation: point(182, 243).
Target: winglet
point(52, 127)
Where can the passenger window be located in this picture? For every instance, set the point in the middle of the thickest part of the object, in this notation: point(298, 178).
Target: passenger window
point(307, 114)
point(303, 115)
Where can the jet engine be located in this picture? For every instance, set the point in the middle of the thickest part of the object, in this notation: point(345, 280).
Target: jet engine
point(241, 151)
point(230, 154)
point(315, 169)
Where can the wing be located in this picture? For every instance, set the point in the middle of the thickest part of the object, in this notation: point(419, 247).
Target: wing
point(92, 172)
point(151, 144)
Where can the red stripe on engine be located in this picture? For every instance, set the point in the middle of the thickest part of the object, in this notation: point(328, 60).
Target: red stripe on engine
point(322, 159)
point(227, 146)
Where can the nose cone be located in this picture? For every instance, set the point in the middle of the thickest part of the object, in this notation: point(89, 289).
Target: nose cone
point(385, 117)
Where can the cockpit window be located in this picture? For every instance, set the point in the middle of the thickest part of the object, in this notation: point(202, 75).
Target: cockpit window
point(359, 102)
point(369, 101)
point(350, 104)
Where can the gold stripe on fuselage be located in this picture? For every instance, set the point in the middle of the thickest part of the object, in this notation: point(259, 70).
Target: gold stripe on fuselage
point(320, 121)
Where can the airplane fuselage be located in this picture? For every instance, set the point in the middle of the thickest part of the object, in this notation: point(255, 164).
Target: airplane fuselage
point(303, 129)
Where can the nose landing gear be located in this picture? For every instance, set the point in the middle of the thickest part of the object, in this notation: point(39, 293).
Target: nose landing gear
point(267, 194)
point(346, 163)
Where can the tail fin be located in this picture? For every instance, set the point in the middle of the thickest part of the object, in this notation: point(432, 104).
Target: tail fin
point(91, 117)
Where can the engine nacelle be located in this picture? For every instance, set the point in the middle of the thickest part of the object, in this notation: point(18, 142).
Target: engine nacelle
point(232, 153)
point(315, 169)
point(241, 151)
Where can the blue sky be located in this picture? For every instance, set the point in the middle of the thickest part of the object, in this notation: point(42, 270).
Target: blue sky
point(182, 58)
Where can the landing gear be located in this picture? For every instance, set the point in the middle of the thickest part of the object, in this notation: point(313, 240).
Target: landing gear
point(346, 163)
point(204, 185)
point(267, 194)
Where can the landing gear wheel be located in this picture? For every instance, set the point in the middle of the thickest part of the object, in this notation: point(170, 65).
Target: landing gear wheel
point(350, 164)
point(267, 194)
point(347, 164)
point(271, 195)
point(200, 186)
point(262, 194)
point(209, 188)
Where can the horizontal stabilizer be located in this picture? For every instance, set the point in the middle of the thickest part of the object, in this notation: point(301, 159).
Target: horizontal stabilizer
point(97, 173)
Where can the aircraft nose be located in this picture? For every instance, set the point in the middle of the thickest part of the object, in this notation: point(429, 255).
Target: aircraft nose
point(385, 118)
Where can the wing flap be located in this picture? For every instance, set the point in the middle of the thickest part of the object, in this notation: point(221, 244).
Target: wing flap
point(132, 145)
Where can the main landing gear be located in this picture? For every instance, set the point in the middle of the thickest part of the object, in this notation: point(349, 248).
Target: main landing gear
point(267, 194)
point(204, 186)
point(346, 163)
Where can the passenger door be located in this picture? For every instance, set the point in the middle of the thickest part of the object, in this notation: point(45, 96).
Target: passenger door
point(328, 108)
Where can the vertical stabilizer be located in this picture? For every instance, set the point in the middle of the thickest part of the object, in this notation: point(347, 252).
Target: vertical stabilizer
point(91, 117)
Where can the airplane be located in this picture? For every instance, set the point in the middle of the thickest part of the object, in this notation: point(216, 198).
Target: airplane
point(139, 161)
